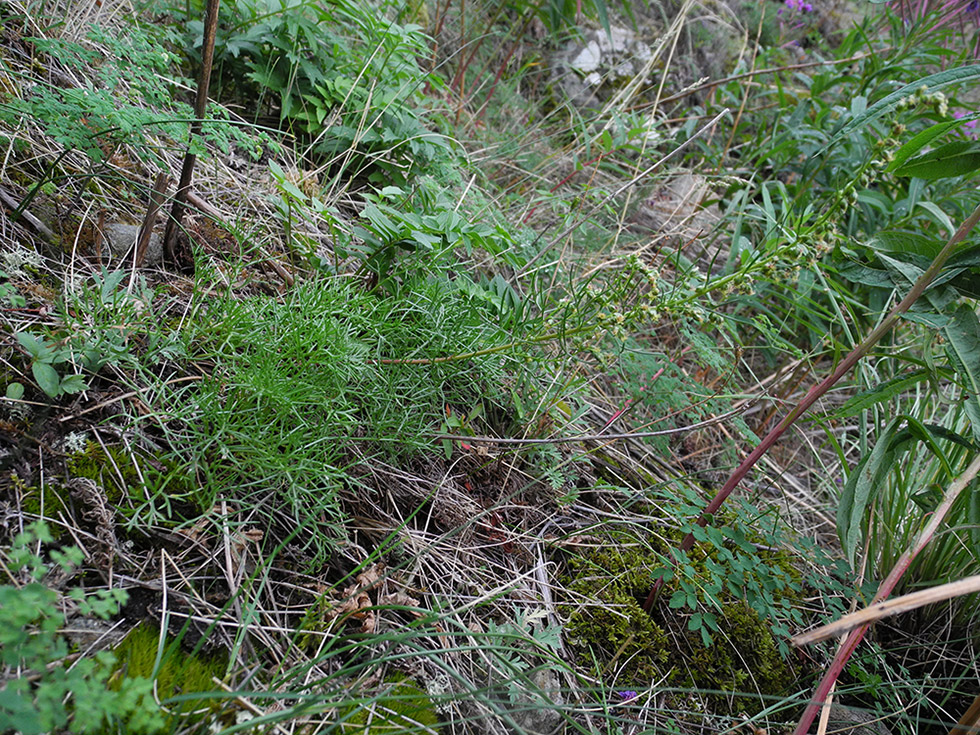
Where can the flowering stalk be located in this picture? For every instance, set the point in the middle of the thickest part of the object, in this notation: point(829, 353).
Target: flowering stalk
point(918, 288)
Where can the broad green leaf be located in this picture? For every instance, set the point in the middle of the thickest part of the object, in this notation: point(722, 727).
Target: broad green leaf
point(30, 343)
point(938, 216)
point(959, 158)
point(15, 391)
point(47, 378)
point(962, 336)
point(900, 241)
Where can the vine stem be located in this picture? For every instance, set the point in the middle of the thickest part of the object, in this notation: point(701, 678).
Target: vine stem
point(814, 394)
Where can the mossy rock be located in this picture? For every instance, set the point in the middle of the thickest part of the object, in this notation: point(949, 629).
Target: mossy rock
point(613, 636)
point(113, 469)
point(402, 707)
point(179, 673)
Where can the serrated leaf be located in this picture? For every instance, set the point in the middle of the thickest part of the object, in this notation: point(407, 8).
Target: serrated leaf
point(959, 158)
point(73, 384)
point(47, 378)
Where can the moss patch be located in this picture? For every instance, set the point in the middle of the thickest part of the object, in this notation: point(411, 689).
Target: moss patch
point(613, 637)
point(113, 469)
point(401, 708)
point(179, 673)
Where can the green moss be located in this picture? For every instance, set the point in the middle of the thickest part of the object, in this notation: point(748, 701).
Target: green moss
point(743, 657)
point(179, 672)
point(612, 635)
point(401, 708)
point(611, 632)
point(113, 469)
point(100, 465)
point(46, 501)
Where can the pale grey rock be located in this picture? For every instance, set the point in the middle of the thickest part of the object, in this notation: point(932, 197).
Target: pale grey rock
point(587, 69)
point(120, 239)
point(539, 712)
point(855, 721)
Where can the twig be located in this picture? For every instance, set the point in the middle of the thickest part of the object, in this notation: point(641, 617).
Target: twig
point(200, 107)
point(150, 220)
point(41, 228)
point(969, 723)
point(876, 612)
point(596, 437)
point(124, 396)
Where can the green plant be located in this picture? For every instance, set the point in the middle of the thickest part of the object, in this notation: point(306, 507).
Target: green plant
point(130, 101)
point(353, 95)
point(40, 692)
point(45, 355)
point(100, 325)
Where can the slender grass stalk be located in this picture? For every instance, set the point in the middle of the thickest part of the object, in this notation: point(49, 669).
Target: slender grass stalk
point(814, 394)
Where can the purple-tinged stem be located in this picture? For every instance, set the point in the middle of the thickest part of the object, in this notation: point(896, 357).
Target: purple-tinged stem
point(814, 394)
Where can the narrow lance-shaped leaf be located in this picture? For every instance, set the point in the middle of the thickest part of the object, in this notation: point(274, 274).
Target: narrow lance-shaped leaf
point(860, 488)
point(959, 158)
point(921, 140)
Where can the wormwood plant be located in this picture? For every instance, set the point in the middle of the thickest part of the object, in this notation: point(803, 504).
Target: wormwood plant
point(40, 691)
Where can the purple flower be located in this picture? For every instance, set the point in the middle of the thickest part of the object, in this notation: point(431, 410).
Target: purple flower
point(627, 696)
point(969, 128)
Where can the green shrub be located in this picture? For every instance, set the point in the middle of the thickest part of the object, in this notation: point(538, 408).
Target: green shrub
point(41, 692)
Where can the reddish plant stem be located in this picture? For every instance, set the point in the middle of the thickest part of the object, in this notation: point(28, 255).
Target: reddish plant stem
point(818, 390)
point(884, 590)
